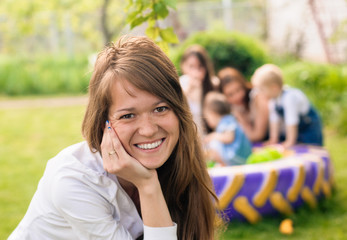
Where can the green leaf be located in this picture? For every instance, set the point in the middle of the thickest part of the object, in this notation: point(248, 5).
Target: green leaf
point(168, 35)
point(152, 32)
point(151, 16)
point(129, 5)
point(146, 3)
point(161, 10)
point(151, 22)
point(131, 16)
point(164, 46)
point(171, 3)
point(137, 21)
point(139, 6)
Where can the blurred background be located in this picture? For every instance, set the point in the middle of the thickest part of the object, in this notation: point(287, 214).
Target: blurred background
point(314, 30)
point(47, 50)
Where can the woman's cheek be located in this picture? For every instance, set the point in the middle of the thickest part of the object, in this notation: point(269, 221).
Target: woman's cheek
point(121, 132)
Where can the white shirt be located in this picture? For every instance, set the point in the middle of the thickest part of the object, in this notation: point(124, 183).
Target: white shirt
point(294, 103)
point(195, 107)
point(77, 199)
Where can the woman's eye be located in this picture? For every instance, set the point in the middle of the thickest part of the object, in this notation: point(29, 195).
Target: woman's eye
point(161, 109)
point(127, 116)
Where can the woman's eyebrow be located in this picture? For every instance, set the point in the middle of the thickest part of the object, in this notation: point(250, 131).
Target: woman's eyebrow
point(126, 109)
point(130, 109)
point(159, 102)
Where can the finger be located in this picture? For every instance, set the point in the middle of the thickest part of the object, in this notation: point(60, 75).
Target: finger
point(116, 143)
point(106, 143)
point(109, 155)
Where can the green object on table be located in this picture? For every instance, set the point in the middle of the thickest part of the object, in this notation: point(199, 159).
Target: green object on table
point(210, 164)
point(264, 155)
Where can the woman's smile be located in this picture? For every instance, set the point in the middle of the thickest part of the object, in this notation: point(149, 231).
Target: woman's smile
point(150, 146)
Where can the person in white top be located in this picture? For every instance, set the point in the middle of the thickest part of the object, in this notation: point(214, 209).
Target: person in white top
point(292, 117)
point(197, 81)
point(140, 173)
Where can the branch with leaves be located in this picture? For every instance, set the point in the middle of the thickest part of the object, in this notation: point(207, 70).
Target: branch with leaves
point(151, 11)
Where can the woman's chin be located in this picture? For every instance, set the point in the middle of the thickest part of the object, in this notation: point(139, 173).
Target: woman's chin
point(151, 164)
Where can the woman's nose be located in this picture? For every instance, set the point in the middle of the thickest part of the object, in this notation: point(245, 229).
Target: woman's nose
point(147, 126)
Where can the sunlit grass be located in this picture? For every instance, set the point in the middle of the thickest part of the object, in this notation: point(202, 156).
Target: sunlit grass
point(28, 138)
point(31, 136)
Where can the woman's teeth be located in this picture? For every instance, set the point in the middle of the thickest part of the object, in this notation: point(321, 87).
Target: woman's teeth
point(147, 146)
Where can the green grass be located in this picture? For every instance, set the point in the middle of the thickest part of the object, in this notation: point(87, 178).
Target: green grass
point(28, 138)
point(31, 136)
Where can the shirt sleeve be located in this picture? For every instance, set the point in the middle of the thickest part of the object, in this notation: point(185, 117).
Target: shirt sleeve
point(184, 81)
point(291, 109)
point(159, 233)
point(273, 116)
point(88, 213)
point(230, 127)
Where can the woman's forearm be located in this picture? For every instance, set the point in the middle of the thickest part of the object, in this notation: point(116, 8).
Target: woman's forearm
point(154, 210)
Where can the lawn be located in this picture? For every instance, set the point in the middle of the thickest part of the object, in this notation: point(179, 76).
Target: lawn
point(30, 136)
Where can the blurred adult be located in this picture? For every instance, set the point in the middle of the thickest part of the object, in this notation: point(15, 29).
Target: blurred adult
point(196, 81)
point(248, 106)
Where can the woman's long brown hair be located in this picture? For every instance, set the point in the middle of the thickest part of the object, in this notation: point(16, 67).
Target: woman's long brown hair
point(184, 179)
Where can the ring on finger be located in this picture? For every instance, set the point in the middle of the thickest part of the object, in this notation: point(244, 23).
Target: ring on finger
point(112, 152)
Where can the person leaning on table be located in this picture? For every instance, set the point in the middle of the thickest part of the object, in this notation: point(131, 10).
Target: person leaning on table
point(140, 172)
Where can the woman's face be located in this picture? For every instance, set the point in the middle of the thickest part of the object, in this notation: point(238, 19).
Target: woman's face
point(145, 124)
point(193, 68)
point(235, 93)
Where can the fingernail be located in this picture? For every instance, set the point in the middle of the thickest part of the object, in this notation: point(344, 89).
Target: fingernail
point(108, 125)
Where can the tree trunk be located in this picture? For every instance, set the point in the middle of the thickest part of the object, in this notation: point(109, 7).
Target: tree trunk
point(106, 32)
point(320, 28)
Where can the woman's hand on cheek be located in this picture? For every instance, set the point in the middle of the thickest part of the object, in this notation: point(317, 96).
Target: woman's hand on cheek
point(117, 161)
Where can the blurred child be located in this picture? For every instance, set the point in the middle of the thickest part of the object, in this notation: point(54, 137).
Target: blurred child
point(227, 144)
point(292, 118)
point(196, 81)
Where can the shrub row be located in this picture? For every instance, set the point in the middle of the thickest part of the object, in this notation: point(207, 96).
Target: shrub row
point(43, 75)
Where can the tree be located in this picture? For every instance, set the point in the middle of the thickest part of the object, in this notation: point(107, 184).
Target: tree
point(53, 26)
point(38, 25)
point(151, 11)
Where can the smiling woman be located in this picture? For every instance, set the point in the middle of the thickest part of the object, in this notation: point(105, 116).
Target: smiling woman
point(140, 174)
point(146, 126)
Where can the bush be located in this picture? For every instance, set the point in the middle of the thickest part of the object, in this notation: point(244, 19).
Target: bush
point(226, 49)
point(43, 75)
point(326, 87)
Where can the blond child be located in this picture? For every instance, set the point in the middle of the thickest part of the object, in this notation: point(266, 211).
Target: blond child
point(227, 144)
point(292, 118)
